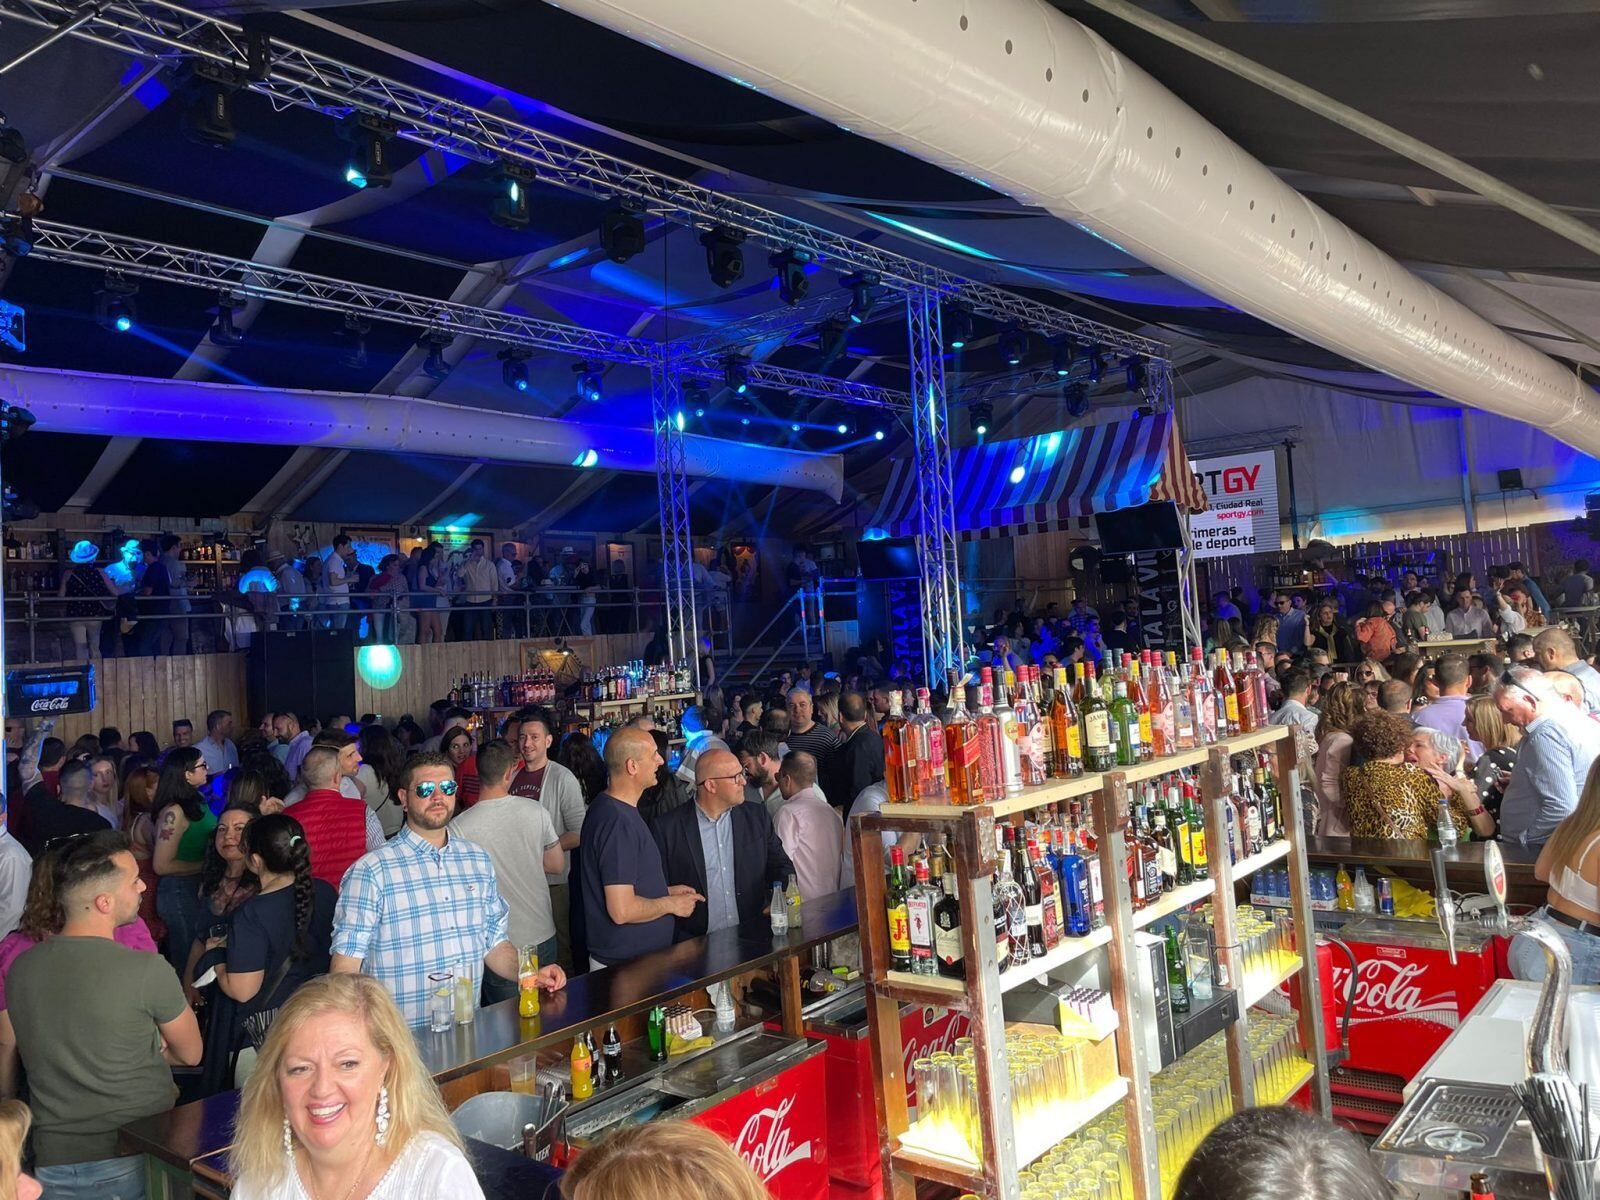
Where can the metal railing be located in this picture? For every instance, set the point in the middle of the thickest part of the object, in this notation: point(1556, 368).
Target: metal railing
point(806, 605)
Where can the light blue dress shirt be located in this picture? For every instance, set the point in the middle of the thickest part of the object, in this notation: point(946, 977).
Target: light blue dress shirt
point(716, 846)
point(1553, 762)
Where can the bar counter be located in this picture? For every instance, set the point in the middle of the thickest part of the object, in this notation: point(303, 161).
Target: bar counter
point(1412, 861)
point(176, 1139)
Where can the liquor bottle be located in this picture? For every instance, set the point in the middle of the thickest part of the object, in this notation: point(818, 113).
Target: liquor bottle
point(899, 755)
point(1032, 894)
point(990, 740)
point(1016, 906)
point(1197, 830)
point(1141, 706)
point(899, 917)
point(1068, 736)
point(927, 739)
point(961, 751)
point(948, 954)
point(1049, 896)
point(1125, 725)
point(1010, 733)
point(1187, 730)
point(1178, 823)
point(1271, 810)
point(1074, 874)
point(1147, 857)
point(1166, 848)
point(1030, 728)
point(919, 921)
point(1044, 697)
point(1245, 688)
point(1227, 697)
point(1089, 847)
point(1252, 841)
point(1177, 971)
point(1002, 920)
point(1163, 721)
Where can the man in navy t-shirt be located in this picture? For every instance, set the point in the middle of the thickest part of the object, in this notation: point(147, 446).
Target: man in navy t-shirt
point(627, 905)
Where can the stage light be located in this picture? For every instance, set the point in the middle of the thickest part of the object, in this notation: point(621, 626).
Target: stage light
point(1097, 363)
point(793, 283)
point(678, 420)
point(795, 428)
point(700, 412)
point(354, 330)
point(114, 303)
point(434, 366)
point(588, 381)
point(980, 415)
point(1018, 474)
point(1076, 396)
point(13, 326)
point(744, 420)
point(586, 459)
point(514, 368)
point(14, 421)
point(863, 294)
point(832, 335)
point(842, 428)
point(223, 331)
point(1133, 373)
point(621, 234)
point(877, 435)
point(510, 207)
point(736, 374)
point(1061, 358)
point(369, 160)
point(957, 326)
point(724, 258)
point(208, 113)
point(1013, 345)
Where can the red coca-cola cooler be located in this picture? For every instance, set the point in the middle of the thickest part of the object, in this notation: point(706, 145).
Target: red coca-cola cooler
point(855, 1166)
point(1405, 999)
point(759, 1090)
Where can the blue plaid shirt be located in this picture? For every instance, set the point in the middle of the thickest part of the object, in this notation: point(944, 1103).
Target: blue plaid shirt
point(408, 909)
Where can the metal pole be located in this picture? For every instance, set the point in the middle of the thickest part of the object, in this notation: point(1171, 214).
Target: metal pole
point(672, 490)
point(1469, 507)
point(1294, 506)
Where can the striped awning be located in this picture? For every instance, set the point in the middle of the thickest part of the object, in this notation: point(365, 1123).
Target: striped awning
point(1051, 481)
point(1178, 480)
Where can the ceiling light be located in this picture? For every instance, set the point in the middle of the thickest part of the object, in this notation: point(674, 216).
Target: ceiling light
point(1133, 373)
point(842, 428)
point(1013, 344)
point(434, 366)
point(208, 111)
point(621, 234)
point(114, 303)
point(223, 331)
point(514, 368)
point(736, 374)
point(724, 258)
point(832, 335)
point(1097, 363)
point(957, 323)
point(510, 207)
point(877, 435)
point(369, 161)
point(586, 459)
point(355, 332)
point(980, 415)
point(793, 283)
point(1076, 397)
point(588, 376)
point(1061, 358)
point(1018, 474)
point(863, 287)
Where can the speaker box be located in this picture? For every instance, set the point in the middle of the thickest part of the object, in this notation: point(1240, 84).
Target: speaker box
point(1115, 568)
point(308, 672)
point(1511, 480)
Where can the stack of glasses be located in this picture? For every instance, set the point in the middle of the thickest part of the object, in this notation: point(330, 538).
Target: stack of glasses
point(1266, 944)
point(1052, 1078)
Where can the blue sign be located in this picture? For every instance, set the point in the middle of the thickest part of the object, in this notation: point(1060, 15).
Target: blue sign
point(50, 691)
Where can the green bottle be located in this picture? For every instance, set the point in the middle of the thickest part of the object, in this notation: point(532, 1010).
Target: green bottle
point(1125, 719)
point(1177, 971)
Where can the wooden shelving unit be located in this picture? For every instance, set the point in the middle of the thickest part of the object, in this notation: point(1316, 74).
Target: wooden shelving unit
point(969, 837)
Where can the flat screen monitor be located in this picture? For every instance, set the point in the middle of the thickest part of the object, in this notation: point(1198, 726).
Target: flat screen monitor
point(889, 558)
point(1152, 526)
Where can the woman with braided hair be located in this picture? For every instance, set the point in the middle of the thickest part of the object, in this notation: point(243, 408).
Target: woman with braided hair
point(276, 940)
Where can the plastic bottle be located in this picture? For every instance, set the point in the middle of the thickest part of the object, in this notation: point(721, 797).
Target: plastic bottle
point(779, 910)
point(1346, 901)
point(792, 901)
point(1366, 900)
point(1446, 826)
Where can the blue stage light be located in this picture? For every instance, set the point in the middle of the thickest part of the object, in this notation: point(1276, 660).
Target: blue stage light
point(877, 435)
point(354, 177)
point(1018, 474)
point(843, 428)
point(123, 323)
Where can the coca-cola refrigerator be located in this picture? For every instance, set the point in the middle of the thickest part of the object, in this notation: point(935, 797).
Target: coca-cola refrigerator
point(761, 1091)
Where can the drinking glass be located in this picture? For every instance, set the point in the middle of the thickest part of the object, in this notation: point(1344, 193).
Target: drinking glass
point(441, 1001)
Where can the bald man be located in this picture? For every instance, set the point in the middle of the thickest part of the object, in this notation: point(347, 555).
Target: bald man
point(721, 847)
point(1554, 650)
point(627, 906)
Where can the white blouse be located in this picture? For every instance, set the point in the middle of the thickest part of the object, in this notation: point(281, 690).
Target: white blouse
point(429, 1166)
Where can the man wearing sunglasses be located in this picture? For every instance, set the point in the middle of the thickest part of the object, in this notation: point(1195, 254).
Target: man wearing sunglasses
point(426, 901)
point(1559, 745)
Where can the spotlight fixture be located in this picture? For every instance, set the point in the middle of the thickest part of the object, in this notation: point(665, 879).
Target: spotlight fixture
point(793, 283)
point(621, 234)
point(831, 337)
point(694, 397)
point(354, 331)
point(1097, 363)
point(877, 435)
point(510, 207)
point(736, 374)
point(1075, 397)
point(980, 415)
point(223, 331)
point(14, 422)
point(724, 258)
point(1133, 373)
point(1141, 411)
point(957, 323)
point(1061, 358)
point(863, 286)
point(369, 159)
point(1013, 344)
point(795, 427)
point(435, 341)
point(588, 376)
point(114, 303)
point(208, 110)
point(842, 427)
point(514, 368)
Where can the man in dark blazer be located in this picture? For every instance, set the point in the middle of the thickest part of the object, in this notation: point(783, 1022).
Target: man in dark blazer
point(857, 763)
point(726, 849)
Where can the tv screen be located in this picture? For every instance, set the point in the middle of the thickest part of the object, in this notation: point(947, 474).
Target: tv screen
point(889, 558)
point(1149, 527)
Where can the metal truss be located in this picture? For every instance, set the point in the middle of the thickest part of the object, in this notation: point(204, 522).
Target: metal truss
point(803, 383)
point(672, 489)
point(944, 641)
point(291, 75)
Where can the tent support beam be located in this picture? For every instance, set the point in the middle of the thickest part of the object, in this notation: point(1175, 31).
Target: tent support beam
point(944, 643)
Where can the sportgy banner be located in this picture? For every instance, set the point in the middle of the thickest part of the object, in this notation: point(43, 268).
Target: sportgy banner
point(1243, 517)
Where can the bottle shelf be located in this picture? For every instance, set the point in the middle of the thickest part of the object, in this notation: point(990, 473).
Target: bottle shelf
point(1302, 1076)
point(633, 701)
point(1247, 867)
point(1258, 985)
point(1067, 950)
point(1171, 902)
point(939, 991)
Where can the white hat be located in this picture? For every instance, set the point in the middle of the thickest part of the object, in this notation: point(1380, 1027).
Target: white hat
point(84, 552)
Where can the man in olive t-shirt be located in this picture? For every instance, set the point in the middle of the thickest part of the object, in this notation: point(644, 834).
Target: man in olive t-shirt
point(98, 1026)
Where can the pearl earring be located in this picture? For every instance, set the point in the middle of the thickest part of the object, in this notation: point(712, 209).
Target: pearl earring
point(383, 1115)
point(288, 1139)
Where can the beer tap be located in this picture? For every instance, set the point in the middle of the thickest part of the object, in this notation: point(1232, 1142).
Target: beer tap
point(1547, 1042)
point(1444, 905)
point(1494, 875)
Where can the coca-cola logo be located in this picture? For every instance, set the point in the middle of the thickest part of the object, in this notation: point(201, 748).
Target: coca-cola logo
point(935, 1038)
point(766, 1142)
point(50, 704)
point(1386, 990)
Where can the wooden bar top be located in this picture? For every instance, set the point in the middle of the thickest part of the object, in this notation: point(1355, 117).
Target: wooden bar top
point(1398, 852)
